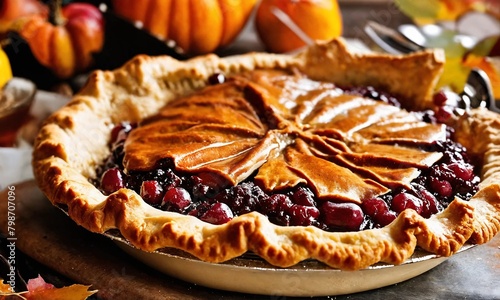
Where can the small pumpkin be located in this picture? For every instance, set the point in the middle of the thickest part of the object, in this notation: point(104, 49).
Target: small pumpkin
point(318, 19)
point(197, 26)
point(66, 41)
point(10, 10)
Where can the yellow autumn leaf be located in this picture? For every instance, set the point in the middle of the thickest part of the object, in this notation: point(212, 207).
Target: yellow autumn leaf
point(460, 60)
point(452, 9)
point(455, 73)
point(5, 290)
point(38, 289)
point(432, 11)
point(4, 287)
point(72, 292)
point(486, 56)
point(491, 66)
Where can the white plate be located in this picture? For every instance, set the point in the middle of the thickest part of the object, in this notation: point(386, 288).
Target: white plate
point(250, 274)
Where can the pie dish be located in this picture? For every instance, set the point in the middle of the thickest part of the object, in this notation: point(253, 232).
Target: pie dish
point(250, 130)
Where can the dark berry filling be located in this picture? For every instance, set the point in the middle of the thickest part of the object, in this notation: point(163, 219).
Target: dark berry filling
point(372, 93)
point(209, 198)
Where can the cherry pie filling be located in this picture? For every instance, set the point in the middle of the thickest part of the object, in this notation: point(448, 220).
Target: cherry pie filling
point(306, 177)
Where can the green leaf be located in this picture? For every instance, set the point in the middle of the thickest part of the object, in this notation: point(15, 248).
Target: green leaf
point(489, 46)
point(455, 73)
point(421, 9)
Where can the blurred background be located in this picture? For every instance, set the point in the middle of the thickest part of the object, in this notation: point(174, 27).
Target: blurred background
point(55, 42)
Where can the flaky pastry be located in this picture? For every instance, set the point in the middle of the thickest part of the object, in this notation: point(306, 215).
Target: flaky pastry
point(75, 141)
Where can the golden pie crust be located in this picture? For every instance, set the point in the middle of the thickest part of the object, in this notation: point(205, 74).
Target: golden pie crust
point(74, 142)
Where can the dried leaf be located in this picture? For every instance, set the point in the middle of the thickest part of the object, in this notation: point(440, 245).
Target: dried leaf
point(73, 292)
point(459, 59)
point(4, 287)
point(5, 290)
point(38, 289)
point(37, 284)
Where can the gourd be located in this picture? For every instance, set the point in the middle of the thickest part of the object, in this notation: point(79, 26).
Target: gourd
point(10, 10)
point(65, 41)
point(196, 26)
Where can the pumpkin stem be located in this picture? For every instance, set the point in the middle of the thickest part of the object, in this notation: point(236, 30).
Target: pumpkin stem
point(55, 14)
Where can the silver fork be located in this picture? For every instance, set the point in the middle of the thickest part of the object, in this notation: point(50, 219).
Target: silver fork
point(477, 91)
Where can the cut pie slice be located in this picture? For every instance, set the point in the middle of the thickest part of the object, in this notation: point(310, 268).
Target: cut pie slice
point(326, 155)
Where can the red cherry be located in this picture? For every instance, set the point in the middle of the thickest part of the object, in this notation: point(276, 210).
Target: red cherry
point(276, 203)
point(208, 184)
point(176, 199)
point(152, 192)
point(385, 218)
point(462, 171)
point(346, 216)
point(442, 187)
point(444, 113)
point(373, 206)
point(378, 210)
point(212, 180)
point(303, 196)
point(120, 132)
point(218, 214)
point(112, 180)
point(431, 203)
point(439, 98)
point(403, 201)
point(301, 215)
point(216, 78)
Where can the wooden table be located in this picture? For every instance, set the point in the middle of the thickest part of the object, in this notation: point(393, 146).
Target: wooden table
point(48, 236)
point(68, 253)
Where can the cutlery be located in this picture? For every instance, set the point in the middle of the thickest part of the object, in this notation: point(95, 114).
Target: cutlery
point(390, 40)
point(424, 36)
point(477, 91)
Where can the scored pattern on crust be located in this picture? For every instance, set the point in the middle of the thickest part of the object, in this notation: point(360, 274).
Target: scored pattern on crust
point(74, 141)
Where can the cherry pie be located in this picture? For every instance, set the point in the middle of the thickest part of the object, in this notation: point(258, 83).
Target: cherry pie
point(343, 157)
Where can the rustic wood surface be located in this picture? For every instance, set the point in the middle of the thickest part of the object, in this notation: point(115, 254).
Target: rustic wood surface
point(47, 235)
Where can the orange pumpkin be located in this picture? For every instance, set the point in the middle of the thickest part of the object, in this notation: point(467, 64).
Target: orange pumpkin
point(197, 26)
point(10, 10)
point(66, 44)
point(318, 19)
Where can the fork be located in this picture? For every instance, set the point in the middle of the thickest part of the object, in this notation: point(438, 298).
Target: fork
point(477, 91)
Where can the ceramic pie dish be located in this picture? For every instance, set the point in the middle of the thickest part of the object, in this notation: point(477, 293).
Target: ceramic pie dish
point(291, 145)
